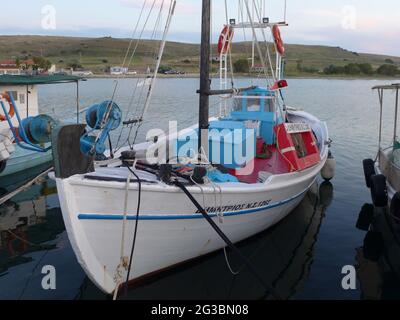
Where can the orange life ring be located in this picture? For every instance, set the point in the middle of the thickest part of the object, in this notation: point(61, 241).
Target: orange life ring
point(11, 112)
point(225, 39)
point(280, 47)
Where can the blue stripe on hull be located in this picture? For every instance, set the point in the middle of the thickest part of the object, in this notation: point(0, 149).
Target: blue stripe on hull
point(88, 216)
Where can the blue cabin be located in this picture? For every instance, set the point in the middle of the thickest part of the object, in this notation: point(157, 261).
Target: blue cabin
point(257, 105)
point(253, 109)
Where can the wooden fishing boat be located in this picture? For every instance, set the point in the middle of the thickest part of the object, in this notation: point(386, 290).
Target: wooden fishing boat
point(185, 194)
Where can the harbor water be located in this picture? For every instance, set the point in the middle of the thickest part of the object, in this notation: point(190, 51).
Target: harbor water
point(302, 257)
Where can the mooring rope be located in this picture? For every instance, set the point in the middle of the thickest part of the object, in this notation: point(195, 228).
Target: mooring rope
point(123, 263)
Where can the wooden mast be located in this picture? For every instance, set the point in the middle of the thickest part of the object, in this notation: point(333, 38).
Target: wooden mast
point(205, 82)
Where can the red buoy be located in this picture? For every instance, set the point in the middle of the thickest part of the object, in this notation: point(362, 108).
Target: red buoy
point(225, 39)
point(280, 47)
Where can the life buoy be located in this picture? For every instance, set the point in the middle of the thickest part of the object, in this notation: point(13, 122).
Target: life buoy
point(280, 47)
point(225, 39)
point(11, 111)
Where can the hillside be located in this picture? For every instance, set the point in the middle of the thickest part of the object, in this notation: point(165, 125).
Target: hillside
point(99, 53)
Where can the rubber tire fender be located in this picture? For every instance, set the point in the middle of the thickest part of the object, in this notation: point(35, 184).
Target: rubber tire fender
point(369, 171)
point(379, 192)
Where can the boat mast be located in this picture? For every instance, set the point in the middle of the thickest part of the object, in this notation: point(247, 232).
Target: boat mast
point(205, 82)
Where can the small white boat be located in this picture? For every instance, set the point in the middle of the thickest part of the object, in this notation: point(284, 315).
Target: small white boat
point(130, 221)
point(22, 159)
point(382, 176)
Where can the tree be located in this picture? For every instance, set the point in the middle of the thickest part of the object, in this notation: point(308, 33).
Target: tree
point(332, 69)
point(366, 68)
point(41, 63)
point(74, 65)
point(389, 61)
point(241, 66)
point(352, 68)
point(388, 70)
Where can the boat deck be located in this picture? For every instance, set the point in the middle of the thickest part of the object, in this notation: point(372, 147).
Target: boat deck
point(275, 164)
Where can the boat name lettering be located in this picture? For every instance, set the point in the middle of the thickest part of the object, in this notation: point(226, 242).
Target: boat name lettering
point(297, 127)
point(238, 207)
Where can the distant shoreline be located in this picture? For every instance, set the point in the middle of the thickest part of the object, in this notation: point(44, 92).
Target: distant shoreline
point(244, 76)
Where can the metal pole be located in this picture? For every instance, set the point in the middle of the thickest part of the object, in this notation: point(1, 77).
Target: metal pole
point(77, 102)
point(205, 82)
point(285, 11)
point(395, 117)
point(380, 121)
point(27, 101)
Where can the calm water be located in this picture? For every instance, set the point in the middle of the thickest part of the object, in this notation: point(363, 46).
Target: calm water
point(302, 256)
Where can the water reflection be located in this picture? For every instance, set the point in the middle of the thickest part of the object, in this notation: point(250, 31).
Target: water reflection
point(283, 255)
point(33, 235)
point(378, 260)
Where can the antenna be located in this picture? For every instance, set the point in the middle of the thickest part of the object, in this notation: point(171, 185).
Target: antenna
point(285, 11)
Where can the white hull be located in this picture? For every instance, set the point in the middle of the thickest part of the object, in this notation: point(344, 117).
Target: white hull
point(169, 230)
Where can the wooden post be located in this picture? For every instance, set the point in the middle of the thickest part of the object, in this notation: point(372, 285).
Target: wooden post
point(205, 82)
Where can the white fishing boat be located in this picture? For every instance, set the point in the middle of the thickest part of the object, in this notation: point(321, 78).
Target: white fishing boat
point(132, 217)
point(382, 176)
point(17, 153)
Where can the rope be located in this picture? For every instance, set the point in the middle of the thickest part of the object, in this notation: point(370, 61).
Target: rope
point(220, 215)
point(136, 226)
point(257, 43)
point(226, 239)
point(123, 263)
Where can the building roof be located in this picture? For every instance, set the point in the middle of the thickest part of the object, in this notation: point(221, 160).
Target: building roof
point(8, 63)
point(41, 79)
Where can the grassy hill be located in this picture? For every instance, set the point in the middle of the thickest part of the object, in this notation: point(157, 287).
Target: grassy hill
point(99, 53)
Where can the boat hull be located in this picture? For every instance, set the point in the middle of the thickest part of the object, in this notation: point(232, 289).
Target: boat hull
point(23, 159)
point(170, 231)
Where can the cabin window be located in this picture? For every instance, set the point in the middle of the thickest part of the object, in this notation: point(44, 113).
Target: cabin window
point(254, 103)
point(22, 98)
point(14, 95)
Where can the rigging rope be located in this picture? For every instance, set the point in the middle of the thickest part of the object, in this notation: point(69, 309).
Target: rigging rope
point(139, 82)
point(154, 78)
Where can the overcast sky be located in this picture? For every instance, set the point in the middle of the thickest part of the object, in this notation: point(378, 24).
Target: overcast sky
point(359, 25)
